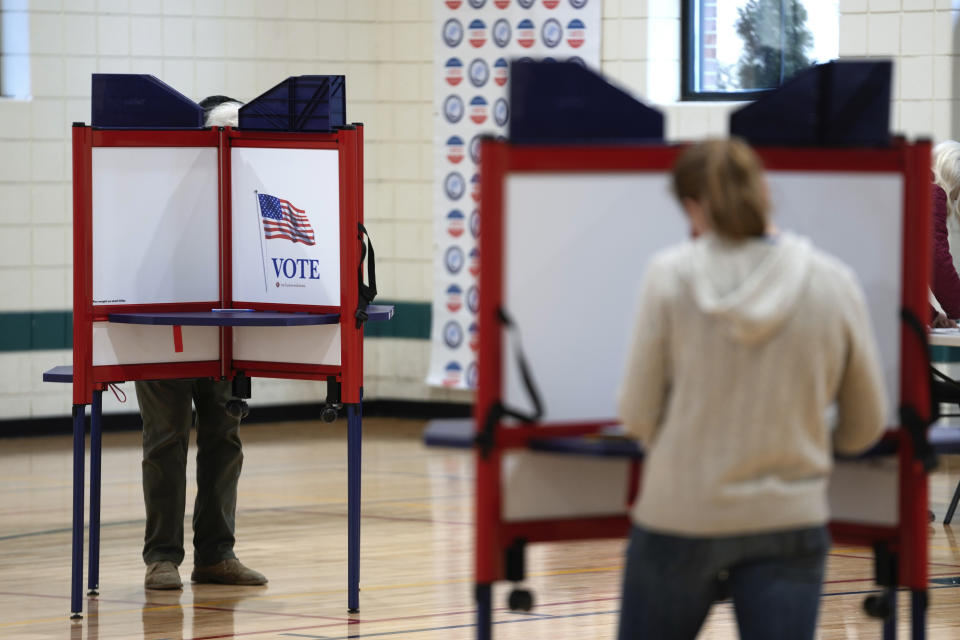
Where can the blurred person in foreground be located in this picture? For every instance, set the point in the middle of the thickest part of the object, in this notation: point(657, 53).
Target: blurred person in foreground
point(744, 338)
point(165, 406)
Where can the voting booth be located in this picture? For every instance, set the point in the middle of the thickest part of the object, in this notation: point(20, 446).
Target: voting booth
point(568, 228)
point(217, 253)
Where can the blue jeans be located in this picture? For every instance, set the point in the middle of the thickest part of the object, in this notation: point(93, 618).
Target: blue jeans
point(670, 582)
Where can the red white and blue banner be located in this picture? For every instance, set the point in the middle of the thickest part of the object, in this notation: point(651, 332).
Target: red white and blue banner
point(474, 42)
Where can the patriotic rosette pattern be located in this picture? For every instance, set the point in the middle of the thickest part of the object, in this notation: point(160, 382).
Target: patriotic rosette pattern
point(474, 42)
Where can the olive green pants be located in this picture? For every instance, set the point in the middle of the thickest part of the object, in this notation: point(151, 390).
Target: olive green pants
point(165, 406)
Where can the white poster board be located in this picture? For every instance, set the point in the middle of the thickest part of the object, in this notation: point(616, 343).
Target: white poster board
point(115, 343)
point(155, 225)
point(286, 226)
point(554, 485)
point(576, 246)
point(316, 344)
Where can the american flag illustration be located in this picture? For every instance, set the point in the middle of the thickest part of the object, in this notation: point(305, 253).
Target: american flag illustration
point(283, 220)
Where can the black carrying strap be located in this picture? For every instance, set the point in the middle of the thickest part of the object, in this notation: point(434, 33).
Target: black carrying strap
point(946, 381)
point(910, 417)
point(367, 291)
point(485, 439)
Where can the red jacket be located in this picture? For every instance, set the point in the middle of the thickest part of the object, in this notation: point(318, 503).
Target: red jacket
point(946, 282)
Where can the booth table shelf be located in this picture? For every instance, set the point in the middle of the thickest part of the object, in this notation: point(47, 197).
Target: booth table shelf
point(244, 318)
point(944, 337)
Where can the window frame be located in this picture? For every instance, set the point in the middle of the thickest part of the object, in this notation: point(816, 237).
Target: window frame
point(691, 25)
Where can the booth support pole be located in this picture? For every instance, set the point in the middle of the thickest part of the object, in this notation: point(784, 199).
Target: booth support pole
point(93, 559)
point(484, 596)
point(487, 511)
point(76, 575)
point(890, 623)
point(354, 439)
point(918, 614)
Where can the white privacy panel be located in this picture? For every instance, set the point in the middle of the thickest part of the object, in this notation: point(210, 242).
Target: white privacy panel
point(851, 480)
point(857, 217)
point(155, 225)
point(286, 226)
point(544, 485)
point(315, 344)
point(549, 485)
point(115, 343)
point(576, 246)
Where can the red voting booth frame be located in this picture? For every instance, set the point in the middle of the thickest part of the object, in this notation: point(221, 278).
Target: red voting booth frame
point(348, 142)
point(90, 381)
point(496, 539)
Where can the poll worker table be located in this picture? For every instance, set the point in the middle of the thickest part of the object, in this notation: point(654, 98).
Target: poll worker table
point(217, 253)
point(945, 337)
point(599, 212)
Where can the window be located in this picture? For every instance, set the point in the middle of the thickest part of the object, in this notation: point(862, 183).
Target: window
point(14, 54)
point(738, 49)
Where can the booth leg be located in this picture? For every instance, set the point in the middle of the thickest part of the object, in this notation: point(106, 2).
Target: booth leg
point(484, 597)
point(354, 437)
point(890, 622)
point(76, 568)
point(93, 559)
point(947, 519)
point(918, 614)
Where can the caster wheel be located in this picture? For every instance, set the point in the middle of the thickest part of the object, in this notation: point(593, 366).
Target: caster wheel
point(329, 414)
point(877, 606)
point(520, 600)
point(237, 409)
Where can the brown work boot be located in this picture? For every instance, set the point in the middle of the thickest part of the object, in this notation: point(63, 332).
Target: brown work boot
point(229, 571)
point(162, 575)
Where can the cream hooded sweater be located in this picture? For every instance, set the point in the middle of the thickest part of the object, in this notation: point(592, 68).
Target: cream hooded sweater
point(739, 351)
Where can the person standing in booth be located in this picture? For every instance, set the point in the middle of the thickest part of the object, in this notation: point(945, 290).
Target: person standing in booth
point(745, 337)
point(165, 406)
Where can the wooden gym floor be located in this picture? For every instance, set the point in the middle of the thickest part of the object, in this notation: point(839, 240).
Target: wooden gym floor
point(416, 555)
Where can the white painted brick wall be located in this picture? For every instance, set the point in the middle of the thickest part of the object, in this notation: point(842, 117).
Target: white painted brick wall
point(919, 36)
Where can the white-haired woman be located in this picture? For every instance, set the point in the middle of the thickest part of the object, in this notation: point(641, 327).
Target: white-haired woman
point(946, 192)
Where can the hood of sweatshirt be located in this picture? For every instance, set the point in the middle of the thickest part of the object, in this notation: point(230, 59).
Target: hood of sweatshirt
point(751, 286)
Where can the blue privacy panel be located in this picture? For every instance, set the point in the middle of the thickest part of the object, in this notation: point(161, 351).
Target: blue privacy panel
point(140, 101)
point(565, 102)
point(835, 104)
point(299, 103)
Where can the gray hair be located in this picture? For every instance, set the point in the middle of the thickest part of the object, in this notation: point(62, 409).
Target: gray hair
point(946, 173)
point(226, 114)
